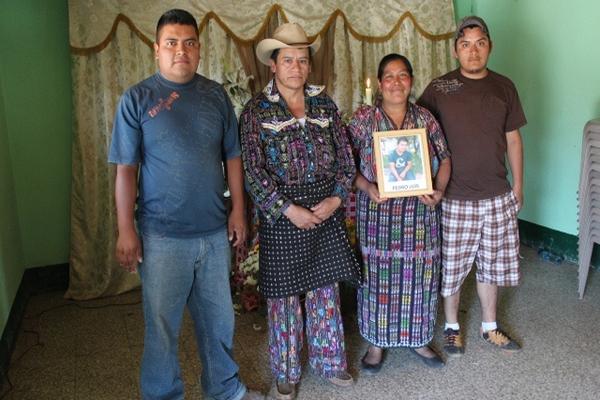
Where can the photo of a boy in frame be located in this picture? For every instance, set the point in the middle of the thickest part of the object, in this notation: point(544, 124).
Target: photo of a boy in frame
point(401, 159)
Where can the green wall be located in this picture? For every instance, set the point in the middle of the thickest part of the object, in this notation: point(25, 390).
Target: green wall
point(35, 140)
point(37, 104)
point(549, 48)
point(11, 256)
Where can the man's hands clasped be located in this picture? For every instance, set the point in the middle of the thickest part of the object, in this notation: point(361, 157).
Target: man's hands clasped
point(305, 218)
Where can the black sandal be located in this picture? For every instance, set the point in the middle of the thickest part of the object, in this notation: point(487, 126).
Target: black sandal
point(372, 368)
point(434, 362)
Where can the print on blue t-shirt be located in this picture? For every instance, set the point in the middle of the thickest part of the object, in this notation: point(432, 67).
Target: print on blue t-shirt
point(179, 134)
point(400, 161)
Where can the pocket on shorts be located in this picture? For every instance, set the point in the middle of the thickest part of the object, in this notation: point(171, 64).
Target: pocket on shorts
point(514, 204)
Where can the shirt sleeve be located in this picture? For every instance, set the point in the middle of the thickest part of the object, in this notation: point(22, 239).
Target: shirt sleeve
point(516, 116)
point(357, 129)
point(428, 100)
point(436, 136)
point(125, 147)
point(346, 168)
point(231, 139)
point(261, 186)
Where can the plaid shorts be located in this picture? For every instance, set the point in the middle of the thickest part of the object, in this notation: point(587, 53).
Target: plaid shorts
point(484, 231)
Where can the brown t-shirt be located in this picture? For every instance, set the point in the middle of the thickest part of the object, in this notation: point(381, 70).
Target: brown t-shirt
point(475, 115)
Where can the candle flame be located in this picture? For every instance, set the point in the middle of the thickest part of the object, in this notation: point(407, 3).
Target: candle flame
point(368, 82)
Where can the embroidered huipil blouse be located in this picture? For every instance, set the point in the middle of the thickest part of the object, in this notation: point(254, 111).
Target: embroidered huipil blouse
point(278, 150)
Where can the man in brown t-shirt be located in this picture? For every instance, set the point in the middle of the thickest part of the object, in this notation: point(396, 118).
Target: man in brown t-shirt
point(481, 114)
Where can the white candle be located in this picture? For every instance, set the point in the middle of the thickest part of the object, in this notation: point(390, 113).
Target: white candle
point(368, 93)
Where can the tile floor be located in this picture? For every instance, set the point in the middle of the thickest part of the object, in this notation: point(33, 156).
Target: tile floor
point(69, 351)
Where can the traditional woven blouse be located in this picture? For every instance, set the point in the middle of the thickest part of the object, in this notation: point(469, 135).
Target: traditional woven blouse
point(277, 150)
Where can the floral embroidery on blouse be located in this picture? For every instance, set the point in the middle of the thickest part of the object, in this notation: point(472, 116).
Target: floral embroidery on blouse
point(368, 119)
point(278, 150)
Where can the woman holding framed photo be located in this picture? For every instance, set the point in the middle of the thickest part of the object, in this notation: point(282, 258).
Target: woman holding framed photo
point(399, 236)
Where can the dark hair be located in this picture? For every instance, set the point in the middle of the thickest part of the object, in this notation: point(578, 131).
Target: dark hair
point(388, 59)
point(275, 53)
point(176, 16)
point(461, 33)
point(402, 139)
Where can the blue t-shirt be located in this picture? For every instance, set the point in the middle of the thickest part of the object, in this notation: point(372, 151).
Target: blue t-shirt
point(180, 134)
point(401, 161)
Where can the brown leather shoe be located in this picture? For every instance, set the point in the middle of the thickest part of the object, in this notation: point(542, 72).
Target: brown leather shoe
point(283, 391)
point(342, 379)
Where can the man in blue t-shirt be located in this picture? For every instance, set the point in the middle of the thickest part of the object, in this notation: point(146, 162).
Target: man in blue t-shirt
point(179, 127)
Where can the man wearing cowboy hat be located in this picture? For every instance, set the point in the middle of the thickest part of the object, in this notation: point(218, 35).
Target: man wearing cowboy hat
point(299, 169)
point(179, 127)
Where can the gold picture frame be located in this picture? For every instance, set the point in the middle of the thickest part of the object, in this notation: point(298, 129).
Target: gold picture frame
point(402, 160)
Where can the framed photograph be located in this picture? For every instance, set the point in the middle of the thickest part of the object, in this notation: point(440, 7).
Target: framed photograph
point(402, 159)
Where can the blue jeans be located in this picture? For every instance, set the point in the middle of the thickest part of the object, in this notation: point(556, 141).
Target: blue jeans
point(192, 271)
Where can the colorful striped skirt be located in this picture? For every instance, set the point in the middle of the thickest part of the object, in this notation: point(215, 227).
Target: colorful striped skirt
point(400, 245)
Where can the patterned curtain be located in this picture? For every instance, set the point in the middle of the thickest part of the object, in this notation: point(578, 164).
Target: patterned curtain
point(111, 46)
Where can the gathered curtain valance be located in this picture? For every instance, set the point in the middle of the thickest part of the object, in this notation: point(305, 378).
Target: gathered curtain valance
point(92, 23)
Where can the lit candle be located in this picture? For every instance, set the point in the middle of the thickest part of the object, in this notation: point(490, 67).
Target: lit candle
point(368, 93)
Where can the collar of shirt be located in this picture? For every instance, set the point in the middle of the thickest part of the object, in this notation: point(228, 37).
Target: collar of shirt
point(272, 94)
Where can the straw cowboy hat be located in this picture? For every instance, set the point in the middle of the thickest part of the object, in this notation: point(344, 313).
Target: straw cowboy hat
point(287, 36)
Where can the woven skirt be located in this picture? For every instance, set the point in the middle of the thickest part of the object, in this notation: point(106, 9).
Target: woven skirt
point(294, 260)
point(400, 245)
